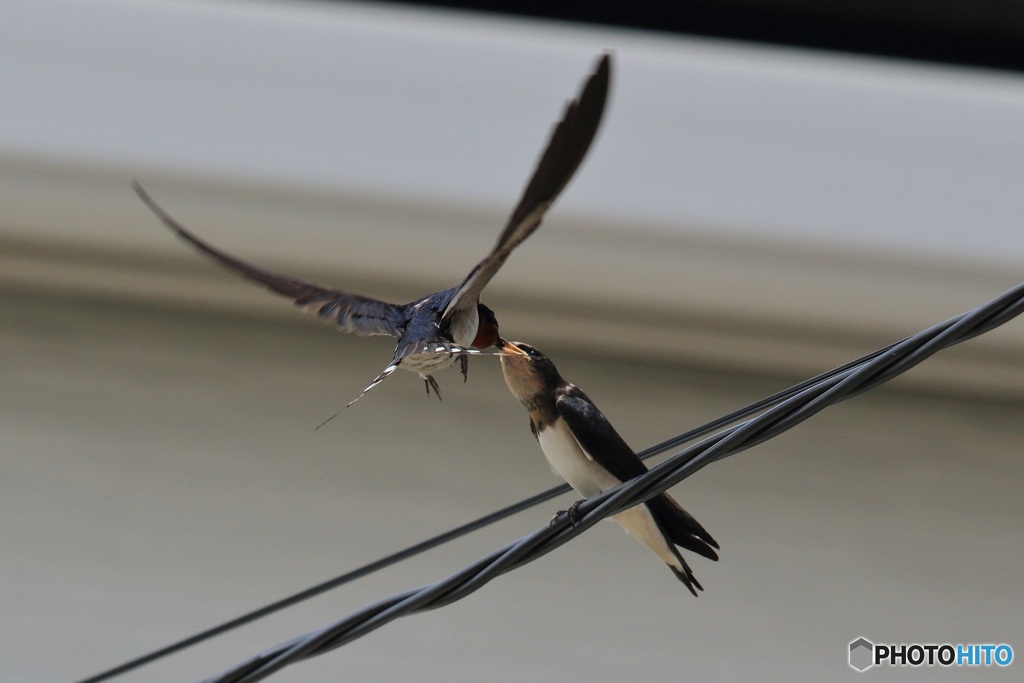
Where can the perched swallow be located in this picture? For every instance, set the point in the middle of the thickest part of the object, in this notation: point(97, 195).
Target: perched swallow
point(583, 448)
point(435, 328)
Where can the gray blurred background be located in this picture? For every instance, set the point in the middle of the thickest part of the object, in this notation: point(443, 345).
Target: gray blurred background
point(748, 216)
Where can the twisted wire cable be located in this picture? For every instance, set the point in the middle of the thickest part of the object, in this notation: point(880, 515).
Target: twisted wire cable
point(813, 396)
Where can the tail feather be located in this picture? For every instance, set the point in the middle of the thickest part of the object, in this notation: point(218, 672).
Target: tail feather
point(685, 574)
point(681, 528)
point(385, 373)
point(377, 380)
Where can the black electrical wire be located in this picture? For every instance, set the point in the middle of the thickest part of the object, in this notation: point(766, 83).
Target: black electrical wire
point(816, 395)
point(459, 531)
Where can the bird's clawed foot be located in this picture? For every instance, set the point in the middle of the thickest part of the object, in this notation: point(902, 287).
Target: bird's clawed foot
point(573, 513)
point(431, 383)
point(464, 367)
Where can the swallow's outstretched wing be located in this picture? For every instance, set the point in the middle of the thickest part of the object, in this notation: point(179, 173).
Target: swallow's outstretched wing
point(602, 443)
point(350, 312)
point(566, 148)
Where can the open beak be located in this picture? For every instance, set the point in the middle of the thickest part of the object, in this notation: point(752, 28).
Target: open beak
point(507, 348)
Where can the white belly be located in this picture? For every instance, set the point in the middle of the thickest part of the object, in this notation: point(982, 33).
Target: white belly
point(427, 362)
point(571, 463)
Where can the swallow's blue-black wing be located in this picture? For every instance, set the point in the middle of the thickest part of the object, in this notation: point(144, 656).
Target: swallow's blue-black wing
point(602, 443)
point(350, 312)
point(597, 436)
point(565, 150)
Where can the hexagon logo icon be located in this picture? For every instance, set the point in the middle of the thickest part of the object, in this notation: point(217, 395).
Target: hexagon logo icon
point(862, 653)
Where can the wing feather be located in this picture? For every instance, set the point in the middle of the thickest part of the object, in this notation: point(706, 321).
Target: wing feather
point(597, 436)
point(601, 442)
point(350, 312)
point(565, 150)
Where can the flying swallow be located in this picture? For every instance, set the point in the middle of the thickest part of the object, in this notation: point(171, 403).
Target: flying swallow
point(583, 448)
point(434, 329)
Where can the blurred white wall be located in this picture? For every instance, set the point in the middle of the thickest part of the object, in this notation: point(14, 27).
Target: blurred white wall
point(750, 207)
